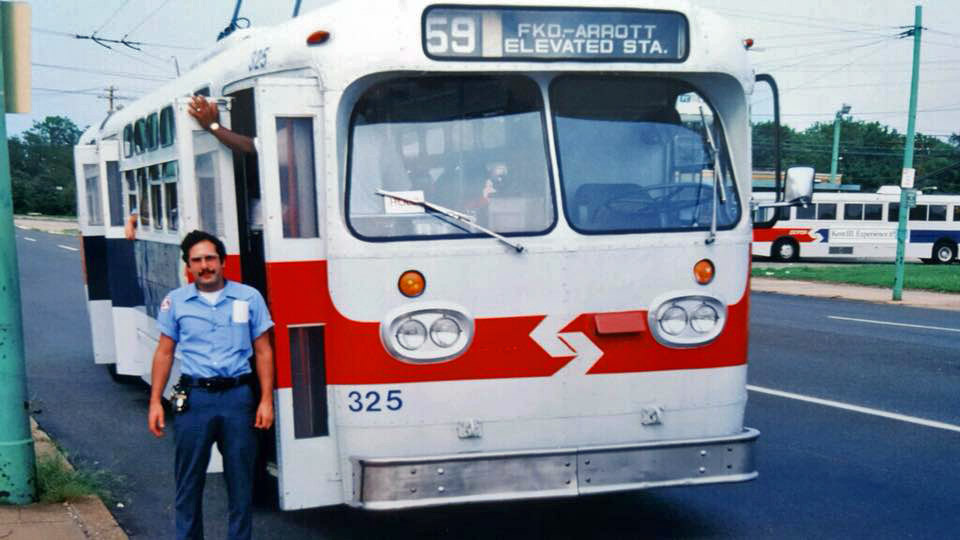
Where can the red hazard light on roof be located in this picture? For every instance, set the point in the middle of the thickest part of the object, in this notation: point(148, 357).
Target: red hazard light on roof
point(318, 38)
point(747, 43)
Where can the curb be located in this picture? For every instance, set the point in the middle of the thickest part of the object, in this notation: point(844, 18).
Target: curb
point(89, 513)
point(821, 289)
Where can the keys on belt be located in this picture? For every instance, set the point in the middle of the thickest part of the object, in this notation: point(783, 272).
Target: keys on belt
point(216, 383)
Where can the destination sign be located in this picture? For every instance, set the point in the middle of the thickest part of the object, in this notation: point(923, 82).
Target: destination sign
point(461, 33)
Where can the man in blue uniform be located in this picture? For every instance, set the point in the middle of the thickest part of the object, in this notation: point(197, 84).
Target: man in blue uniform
point(215, 325)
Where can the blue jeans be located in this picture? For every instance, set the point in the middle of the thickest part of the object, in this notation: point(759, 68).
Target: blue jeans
point(225, 417)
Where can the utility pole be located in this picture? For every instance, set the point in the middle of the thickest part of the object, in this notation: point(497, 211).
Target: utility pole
point(906, 180)
point(17, 460)
point(110, 97)
point(836, 140)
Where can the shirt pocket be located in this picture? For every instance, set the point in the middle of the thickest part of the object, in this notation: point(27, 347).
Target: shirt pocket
point(240, 336)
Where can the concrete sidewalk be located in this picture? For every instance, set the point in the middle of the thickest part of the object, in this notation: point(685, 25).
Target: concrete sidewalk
point(79, 519)
point(912, 298)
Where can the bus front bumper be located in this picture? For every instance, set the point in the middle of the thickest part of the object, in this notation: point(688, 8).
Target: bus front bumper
point(394, 483)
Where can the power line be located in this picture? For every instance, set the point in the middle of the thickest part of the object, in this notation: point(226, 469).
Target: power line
point(138, 43)
point(110, 19)
point(147, 18)
point(104, 72)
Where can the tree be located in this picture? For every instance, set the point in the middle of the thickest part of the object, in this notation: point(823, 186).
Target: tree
point(41, 167)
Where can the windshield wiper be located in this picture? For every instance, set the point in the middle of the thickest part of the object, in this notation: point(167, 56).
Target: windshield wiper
point(453, 214)
point(717, 178)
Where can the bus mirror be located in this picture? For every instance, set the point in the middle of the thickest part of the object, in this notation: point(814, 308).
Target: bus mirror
point(799, 188)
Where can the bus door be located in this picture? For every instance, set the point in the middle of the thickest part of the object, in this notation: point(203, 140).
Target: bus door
point(289, 114)
point(90, 172)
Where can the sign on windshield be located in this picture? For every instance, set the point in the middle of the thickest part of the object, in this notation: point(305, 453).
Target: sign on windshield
point(463, 33)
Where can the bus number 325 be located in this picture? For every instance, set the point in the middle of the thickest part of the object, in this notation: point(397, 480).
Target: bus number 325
point(371, 401)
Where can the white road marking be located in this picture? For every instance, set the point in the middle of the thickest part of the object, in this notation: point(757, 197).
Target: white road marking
point(28, 239)
point(856, 408)
point(894, 323)
point(67, 247)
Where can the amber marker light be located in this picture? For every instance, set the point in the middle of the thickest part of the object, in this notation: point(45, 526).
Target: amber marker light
point(411, 283)
point(318, 38)
point(703, 271)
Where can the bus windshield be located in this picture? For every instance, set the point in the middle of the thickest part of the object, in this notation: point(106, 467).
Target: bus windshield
point(634, 156)
point(474, 144)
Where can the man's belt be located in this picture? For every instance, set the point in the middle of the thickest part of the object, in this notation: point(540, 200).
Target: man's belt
point(216, 383)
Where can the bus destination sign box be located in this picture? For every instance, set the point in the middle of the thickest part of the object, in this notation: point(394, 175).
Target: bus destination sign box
point(458, 33)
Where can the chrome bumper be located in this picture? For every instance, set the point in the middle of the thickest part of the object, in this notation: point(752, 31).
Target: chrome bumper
point(392, 483)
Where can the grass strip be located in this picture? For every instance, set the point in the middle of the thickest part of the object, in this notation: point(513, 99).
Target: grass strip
point(938, 278)
point(57, 482)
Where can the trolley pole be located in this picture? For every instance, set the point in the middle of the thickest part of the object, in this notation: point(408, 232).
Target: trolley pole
point(17, 461)
point(906, 182)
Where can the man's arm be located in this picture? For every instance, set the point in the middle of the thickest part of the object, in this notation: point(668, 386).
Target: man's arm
point(264, 353)
point(160, 372)
point(206, 114)
point(130, 227)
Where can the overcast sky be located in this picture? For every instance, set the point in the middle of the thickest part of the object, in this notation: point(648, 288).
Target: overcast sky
point(823, 53)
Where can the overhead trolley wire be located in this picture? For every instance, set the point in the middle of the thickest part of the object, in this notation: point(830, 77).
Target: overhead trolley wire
point(158, 78)
point(110, 19)
point(147, 18)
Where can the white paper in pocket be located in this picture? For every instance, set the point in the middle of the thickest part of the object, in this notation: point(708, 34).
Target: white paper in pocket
point(241, 311)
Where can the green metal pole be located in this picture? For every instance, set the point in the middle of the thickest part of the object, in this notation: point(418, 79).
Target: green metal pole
point(17, 461)
point(908, 155)
point(836, 147)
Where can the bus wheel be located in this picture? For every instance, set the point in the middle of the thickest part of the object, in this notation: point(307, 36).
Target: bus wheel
point(785, 249)
point(944, 252)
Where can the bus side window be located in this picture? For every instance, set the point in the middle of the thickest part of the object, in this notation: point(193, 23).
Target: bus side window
point(807, 212)
point(139, 134)
point(131, 190)
point(873, 212)
point(143, 198)
point(893, 211)
point(938, 212)
point(115, 194)
point(168, 131)
point(853, 211)
point(156, 198)
point(827, 211)
point(91, 173)
point(209, 200)
point(150, 140)
point(918, 213)
point(783, 213)
point(127, 140)
point(169, 175)
point(956, 213)
point(298, 195)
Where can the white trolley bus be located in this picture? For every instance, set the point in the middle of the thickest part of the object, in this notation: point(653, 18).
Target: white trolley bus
point(500, 264)
point(844, 225)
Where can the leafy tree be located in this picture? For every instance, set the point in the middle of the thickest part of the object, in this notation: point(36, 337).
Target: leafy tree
point(871, 154)
point(41, 167)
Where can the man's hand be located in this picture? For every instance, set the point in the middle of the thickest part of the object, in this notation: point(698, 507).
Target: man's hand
point(155, 418)
point(264, 415)
point(203, 111)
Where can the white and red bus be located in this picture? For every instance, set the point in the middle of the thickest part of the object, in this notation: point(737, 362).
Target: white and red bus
point(858, 225)
point(500, 263)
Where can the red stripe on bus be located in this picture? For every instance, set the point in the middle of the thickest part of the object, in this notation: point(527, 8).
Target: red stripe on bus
point(801, 235)
point(501, 348)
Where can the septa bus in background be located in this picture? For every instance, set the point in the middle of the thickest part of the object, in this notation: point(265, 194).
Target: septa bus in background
point(846, 225)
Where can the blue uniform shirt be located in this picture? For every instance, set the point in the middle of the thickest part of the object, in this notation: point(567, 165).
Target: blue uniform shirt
point(214, 340)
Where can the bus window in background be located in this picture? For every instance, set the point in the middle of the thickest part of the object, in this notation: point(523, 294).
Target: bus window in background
point(91, 173)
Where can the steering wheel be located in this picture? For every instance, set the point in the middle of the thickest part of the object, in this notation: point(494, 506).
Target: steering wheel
point(646, 202)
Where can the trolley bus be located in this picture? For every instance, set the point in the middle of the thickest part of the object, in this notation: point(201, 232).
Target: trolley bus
point(500, 263)
point(846, 225)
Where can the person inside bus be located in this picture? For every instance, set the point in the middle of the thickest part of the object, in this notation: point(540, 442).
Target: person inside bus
point(207, 116)
point(215, 326)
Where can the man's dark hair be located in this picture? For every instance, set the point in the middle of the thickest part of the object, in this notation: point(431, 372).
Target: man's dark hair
point(194, 237)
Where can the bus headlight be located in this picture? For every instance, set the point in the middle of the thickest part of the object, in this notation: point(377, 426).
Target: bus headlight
point(426, 332)
point(704, 319)
point(411, 334)
point(444, 332)
point(674, 320)
point(687, 321)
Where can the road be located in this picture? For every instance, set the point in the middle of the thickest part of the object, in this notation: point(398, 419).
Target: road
point(871, 459)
